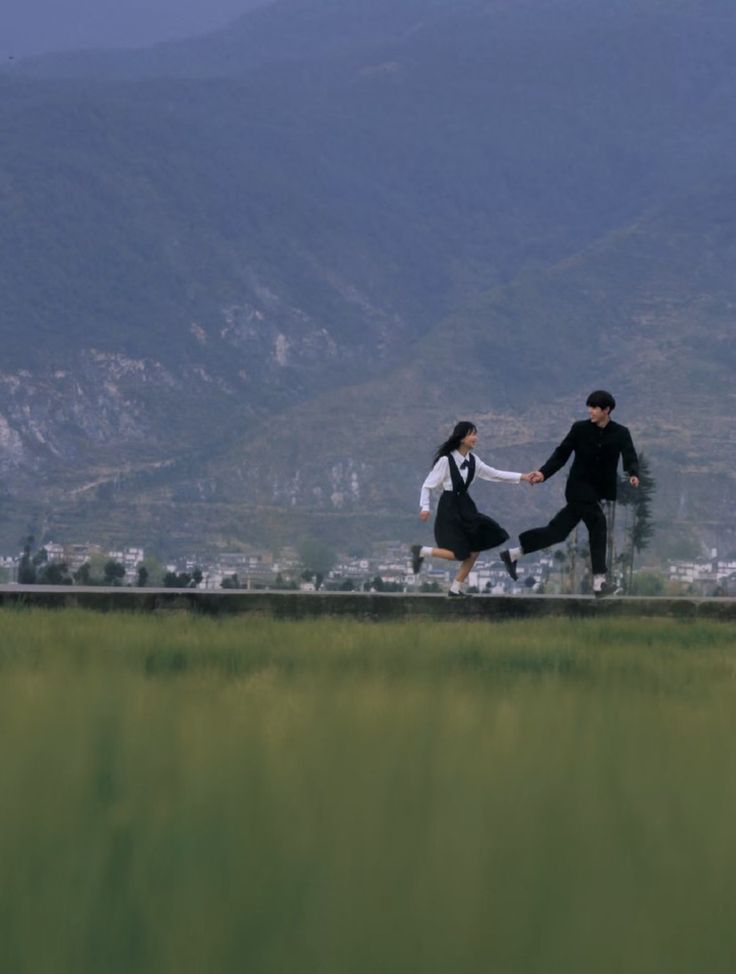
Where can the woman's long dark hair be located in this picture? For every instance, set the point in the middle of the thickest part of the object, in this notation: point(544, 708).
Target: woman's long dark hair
point(455, 439)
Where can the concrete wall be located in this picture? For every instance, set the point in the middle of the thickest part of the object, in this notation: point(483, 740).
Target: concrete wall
point(375, 607)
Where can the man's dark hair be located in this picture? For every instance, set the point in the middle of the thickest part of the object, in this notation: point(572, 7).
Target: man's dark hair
point(601, 399)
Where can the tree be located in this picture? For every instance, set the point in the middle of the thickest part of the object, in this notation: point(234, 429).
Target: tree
point(177, 580)
point(316, 557)
point(572, 563)
point(54, 573)
point(429, 587)
point(378, 584)
point(97, 563)
point(284, 583)
point(230, 581)
point(142, 579)
point(83, 575)
point(40, 558)
point(640, 525)
point(560, 560)
point(113, 573)
point(35, 569)
point(153, 566)
point(26, 567)
point(648, 583)
point(610, 535)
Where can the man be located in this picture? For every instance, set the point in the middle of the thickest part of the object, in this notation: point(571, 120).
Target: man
point(597, 443)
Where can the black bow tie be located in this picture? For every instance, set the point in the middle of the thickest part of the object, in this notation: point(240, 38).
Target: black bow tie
point(464, 464)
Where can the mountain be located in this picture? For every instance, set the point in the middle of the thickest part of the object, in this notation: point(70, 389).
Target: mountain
point(647, 312)
point(315, 199)
point(32, 29)
point(625, 40)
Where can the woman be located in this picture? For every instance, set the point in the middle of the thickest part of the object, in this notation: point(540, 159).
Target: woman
point(460, 530)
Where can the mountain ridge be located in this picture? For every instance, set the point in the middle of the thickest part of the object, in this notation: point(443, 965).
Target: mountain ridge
point(360, 453)
point(186, 261)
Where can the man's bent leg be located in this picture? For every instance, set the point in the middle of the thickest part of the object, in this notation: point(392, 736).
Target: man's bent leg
point(557, 530)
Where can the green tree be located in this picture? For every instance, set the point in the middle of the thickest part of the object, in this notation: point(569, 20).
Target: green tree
point(647, 583)
point(560, 567)
point(316, 557)
point(83, 575)
point(54, 573)
point(177, 580)
point(113, 573)
point(640, 524)
point(26, 566)
point(155, 570)
point(610, 509)
point(97, 563)
point(572, 563)
point(41, 557)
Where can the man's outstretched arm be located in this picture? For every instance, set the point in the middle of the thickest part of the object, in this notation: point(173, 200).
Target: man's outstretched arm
point(559, 458)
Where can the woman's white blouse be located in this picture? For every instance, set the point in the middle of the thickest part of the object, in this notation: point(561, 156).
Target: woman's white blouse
point(439, 476)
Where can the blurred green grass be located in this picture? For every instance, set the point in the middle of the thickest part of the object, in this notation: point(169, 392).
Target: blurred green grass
point(183, 794)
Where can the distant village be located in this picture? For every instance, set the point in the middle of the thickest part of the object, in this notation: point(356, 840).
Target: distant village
point(386, 569)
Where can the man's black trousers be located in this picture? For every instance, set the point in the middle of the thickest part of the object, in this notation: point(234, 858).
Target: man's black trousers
point(591, 513)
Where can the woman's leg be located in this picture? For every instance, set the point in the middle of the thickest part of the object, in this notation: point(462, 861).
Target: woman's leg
point(466, 566)
point(420, 552)
point(444, 553)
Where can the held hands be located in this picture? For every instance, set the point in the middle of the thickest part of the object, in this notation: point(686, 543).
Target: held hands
point(533, 477)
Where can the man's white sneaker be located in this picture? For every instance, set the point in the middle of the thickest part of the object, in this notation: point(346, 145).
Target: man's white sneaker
point(608, 589)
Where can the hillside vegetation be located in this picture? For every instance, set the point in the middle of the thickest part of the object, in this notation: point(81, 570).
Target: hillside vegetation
point(208, 240)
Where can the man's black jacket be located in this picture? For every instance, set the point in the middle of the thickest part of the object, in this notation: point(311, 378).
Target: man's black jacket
point(593, 474)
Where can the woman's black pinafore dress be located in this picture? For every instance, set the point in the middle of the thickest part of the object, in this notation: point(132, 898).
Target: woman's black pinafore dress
point(459, 525)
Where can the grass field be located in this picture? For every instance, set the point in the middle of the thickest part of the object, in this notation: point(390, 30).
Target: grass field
point(179, 794)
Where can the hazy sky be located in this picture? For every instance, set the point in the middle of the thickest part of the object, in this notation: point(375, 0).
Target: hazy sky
point(37, 26)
